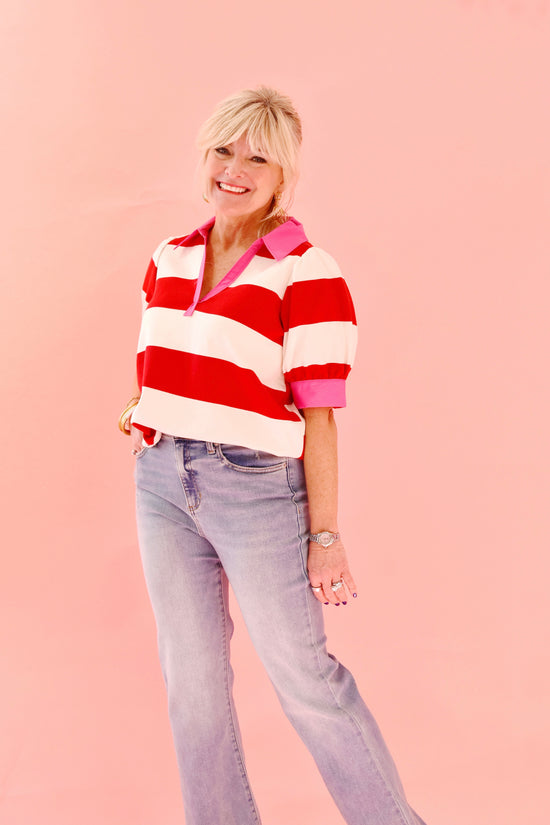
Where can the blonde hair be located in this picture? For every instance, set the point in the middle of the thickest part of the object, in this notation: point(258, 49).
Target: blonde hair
point(271, 125)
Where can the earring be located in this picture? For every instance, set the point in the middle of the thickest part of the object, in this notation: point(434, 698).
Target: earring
point(205, 199)
point(279, 211)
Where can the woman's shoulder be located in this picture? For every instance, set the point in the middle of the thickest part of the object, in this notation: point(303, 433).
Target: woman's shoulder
point(171, 243)
point(194, 238)
point(305, 255)
point(159, 249)
point(315, 262)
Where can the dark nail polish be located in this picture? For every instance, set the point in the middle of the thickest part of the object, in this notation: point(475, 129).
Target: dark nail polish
point(326, 602)
point(355, 595)
point(337, 604)
point(344, 602)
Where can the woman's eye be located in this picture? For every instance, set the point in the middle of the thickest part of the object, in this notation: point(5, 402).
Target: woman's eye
point(221, 150)
point(258, 159)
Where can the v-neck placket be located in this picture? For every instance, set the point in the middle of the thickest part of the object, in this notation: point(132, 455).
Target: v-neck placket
point(278, 243)
point(231, 276)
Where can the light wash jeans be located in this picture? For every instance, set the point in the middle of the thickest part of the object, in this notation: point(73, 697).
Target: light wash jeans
point(209, 513)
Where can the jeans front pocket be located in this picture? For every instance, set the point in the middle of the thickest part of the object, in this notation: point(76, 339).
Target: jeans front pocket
point(245, 460)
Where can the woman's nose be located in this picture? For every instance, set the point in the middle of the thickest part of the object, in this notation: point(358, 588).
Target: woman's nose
point(234, 167)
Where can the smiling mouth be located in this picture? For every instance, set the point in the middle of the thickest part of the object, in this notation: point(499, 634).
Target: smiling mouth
point(235, 190)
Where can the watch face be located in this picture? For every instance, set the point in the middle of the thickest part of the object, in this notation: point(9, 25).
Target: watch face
point(325, 539)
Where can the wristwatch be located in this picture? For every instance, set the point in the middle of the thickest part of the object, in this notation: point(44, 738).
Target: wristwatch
point(325, 539)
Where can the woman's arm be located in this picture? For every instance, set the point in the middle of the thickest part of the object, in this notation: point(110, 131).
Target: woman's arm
point(325, 566)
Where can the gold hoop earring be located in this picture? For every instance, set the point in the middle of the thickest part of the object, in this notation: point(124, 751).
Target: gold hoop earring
point(205, 199)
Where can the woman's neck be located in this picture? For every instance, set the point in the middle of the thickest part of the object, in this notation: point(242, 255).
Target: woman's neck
point(233, 233)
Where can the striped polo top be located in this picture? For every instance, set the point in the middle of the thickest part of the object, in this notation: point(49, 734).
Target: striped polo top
point(277, 334)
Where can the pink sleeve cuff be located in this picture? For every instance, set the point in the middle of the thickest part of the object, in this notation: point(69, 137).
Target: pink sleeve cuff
point(319, 392)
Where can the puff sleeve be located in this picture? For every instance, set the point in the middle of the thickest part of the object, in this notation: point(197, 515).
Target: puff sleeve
point(149, 282)
point(147, 293)
point(320, 332)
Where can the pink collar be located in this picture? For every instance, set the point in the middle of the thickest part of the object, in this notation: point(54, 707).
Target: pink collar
point(280, 242)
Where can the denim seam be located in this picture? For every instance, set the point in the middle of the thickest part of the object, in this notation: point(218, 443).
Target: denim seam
point(237, 749)
point(292, 489)
point(349, 714)
point(241, 469)
point(183, 473)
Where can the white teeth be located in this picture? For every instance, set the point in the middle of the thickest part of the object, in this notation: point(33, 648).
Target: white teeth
point(227, 188)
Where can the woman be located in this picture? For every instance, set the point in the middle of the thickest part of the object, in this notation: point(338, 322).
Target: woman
point(247, 337)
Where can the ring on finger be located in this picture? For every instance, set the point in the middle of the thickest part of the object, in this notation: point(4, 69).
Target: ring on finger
point(336, 586)
point(316, 589)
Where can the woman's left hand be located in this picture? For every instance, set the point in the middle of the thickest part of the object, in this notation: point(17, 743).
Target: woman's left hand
point(326, 567)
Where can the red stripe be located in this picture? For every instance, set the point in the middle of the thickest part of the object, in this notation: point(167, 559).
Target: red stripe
point(263, 252)
point(149, 281)
point(173, 293)
point(314, 371)
point(254, 306)
point(139, 368)
point(148, 433)
point(193, 239)
point(301, 249)
point(214, 380)
point(317, 301)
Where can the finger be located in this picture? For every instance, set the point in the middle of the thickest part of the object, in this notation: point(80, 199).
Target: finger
point(339, 590)
point(350, 583)
point(333, 597)
point(317, 590)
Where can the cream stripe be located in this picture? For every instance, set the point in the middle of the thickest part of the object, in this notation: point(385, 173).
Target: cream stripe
point(188, 418)
point(327, 343)
point(272, 275)
point(314, 265)
point(158, 251)
point(215, 336)
point(180, 262)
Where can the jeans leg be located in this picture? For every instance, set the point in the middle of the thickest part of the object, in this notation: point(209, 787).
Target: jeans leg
point(321, 700)
point(265, 558)
point(189, 594)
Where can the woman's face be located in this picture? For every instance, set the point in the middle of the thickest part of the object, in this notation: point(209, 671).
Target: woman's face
point(240, 182)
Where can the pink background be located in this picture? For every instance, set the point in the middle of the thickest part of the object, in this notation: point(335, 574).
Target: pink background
point(426, 175)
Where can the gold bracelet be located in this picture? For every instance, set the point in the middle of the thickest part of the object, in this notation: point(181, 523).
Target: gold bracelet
point(126, 414)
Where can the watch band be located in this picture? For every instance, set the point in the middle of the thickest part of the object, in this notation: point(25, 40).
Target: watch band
point(325, 538)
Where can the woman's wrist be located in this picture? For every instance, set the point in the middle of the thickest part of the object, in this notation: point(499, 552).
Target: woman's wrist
point(324, 538)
